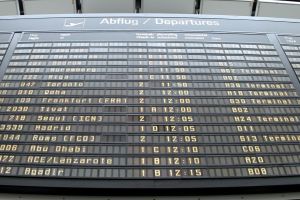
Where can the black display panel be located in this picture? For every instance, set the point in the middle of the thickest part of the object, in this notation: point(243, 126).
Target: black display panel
point(149, 109)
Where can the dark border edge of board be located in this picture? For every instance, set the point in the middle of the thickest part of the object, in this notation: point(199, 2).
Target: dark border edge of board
point(149, 187)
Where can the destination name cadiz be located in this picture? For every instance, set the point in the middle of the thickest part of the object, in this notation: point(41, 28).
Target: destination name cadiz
point(158, 21)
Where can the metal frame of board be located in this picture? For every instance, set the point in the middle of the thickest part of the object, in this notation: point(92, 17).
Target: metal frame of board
point(192, 4)
point(202, 3)
point(274, 2)
point(84, 2)
point(242, 25)
point(17, 5)
point(25, 5)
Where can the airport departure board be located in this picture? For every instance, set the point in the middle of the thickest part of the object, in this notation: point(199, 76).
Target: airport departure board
point(124, 105)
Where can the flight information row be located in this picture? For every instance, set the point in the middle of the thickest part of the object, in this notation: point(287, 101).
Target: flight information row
point(150, 149)
point(133, 53)
point(149, 161)
point(146, 64)
point(143, 77)
point(99, 138)
point(212, 58)
point(62, 104)
point(143, 84)
point(179, 70)
point(150, 139)
point(144, 128)
point(145, 92)
point(193, 55)
point(145, 118)
point(146, 173)
point(153, 110)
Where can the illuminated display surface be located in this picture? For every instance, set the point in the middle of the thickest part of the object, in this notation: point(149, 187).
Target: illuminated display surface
point(149, 105)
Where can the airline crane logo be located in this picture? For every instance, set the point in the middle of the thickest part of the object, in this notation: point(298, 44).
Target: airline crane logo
point(74, 23)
